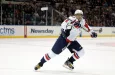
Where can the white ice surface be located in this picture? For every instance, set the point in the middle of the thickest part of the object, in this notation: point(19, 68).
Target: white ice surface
point(19, 56)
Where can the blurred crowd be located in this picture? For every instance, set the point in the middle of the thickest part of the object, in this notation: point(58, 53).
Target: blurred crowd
point(26, 13)
point(96, 12)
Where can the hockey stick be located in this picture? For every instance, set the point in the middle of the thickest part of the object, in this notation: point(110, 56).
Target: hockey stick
point(66, 46)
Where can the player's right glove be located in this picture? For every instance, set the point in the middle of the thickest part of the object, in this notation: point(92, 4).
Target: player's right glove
point(93, 35)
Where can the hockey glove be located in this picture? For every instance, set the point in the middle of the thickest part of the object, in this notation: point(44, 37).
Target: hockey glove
point(93, 35)
point(77, 25)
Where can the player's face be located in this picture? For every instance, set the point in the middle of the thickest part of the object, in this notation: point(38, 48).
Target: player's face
point(79, 16)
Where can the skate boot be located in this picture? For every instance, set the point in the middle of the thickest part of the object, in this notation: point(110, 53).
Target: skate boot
point(38, 66)
point(68, 65)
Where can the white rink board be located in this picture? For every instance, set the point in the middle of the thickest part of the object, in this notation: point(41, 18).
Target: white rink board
point(34, 31)
point(102, 31)
point(55, 31)
point(11, 30)
point(43, 30)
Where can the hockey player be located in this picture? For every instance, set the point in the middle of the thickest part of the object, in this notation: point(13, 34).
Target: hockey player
point(70, 28)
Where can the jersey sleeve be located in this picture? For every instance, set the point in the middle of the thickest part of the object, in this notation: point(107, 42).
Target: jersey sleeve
point(86, 27)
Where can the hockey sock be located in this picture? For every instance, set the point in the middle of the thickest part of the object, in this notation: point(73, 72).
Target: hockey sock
point(44, 59)
point(71, 59)
point(74, 57)
point(47, 57)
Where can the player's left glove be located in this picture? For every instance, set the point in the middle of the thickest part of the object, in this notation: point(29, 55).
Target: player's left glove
point(93, 35)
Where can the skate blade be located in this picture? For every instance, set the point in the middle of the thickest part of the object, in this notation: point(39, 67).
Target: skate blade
point(67, 67)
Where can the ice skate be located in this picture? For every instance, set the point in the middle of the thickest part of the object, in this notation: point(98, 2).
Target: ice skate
point(68, 65)
point(37, 67)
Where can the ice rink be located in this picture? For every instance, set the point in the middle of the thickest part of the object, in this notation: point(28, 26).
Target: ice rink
point(19, 56)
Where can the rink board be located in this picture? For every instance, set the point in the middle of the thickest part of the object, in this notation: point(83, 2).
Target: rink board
point(48, 32)
point(11, 31)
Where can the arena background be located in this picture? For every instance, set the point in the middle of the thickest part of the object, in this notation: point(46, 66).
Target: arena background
point(42, 18)
point(29, 29)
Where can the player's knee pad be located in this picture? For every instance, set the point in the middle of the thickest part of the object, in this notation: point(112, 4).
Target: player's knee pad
point(78, 54)
point(49, 55)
